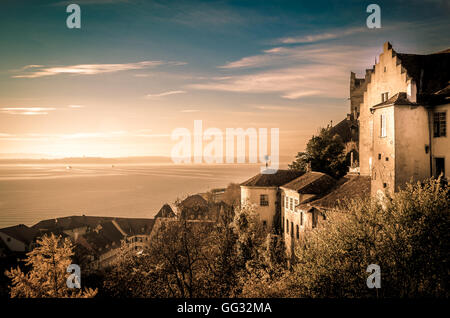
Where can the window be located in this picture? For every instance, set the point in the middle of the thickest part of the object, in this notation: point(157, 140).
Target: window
point(265, 224)
point(292, 229)
point(286, 205)
point(298, 232)
point(384, 185)
point(287, 226)
point(290, 204)
point(384, 97)
point(440, 124)
point(379, 156)
point(385, 69)
point(383, 125)
point(301, 218)
point(263, 200)
point(440, 166)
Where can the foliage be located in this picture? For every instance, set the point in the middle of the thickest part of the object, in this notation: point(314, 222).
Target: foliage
point(48, 274)
point(406, 235)
point(324, 153)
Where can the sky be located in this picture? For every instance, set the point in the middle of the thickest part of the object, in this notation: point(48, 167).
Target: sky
point(137, 70)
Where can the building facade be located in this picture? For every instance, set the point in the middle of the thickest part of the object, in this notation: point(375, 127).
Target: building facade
point(403, 118)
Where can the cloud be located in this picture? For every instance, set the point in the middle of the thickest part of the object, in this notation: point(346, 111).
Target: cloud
point(294, 72)
point(26, 110)
point(164, 94)
point(76, 106)
point(189, 110)
point(35, 71)
point(333, 34)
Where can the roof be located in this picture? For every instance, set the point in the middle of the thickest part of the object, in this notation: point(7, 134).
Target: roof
point(133, 227)
point(192, 201)
point(346, 129)
point(108, 236)
point(353, 188)
point(21, 233)
point(70, 222)
point(312, 182)
point(165, 212)
point(272, 180)
point(398, 99)
point(431, 72)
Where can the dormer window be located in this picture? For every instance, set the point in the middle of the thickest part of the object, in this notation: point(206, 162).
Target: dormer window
point(384, 97)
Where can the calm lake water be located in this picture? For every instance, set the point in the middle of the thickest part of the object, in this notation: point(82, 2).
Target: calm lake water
point(30, 193)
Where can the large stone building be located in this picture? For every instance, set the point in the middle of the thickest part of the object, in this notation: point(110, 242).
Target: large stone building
point(403, 118)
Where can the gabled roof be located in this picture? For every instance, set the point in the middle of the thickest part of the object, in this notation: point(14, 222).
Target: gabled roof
point(272, 180)
point(397, 100)
point(21, 233)
point(165, 212)
point(354, 188)
point(312, 182)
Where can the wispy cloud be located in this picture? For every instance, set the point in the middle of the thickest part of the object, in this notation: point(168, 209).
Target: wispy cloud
point(26, 110)
point(312, 38)
point(34, 71)
point(189, 110)
point(76, 106)
point(164, 94)
point(294, 72)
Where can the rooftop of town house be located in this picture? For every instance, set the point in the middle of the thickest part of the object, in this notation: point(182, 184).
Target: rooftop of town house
point(311, 182)
point(192, 201)
point(132, 226)
point(349, 188)
point(397, 99)
point(21, 233)
point(165, 212)
point(107, 236)
point(276, 179)
point(346, 129)
point(70, 222)
point(431, 72)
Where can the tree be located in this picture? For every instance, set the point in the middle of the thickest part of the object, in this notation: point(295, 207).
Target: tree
point(324, 153)
point(48, 274)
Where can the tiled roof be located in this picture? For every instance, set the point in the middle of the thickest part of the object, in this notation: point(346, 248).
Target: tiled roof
point(346, 129)
point(354, 188)
point(311, 183)
point(272, 180)
point(21, 233)
point(431, 72)
point(192, 201)
point(398, 99)
point(135, 226)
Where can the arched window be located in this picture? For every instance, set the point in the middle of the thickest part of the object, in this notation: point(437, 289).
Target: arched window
point(298, 232)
